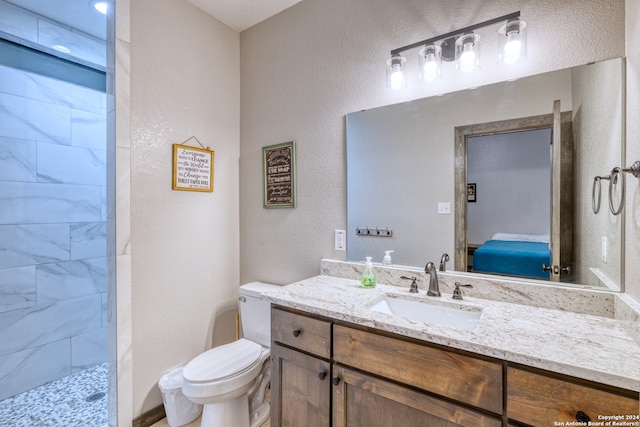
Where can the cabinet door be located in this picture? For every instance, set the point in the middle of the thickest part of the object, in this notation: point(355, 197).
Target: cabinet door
point(300, 389)
point(362, 400)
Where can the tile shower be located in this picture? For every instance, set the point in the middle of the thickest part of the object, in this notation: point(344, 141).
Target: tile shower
point(52, 230)
point(53, 262)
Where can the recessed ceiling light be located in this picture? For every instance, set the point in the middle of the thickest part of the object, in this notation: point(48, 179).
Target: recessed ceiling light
point(101, 6)
point(61, 48)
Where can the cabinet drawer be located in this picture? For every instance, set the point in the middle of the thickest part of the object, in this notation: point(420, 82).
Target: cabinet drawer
point(302, 332)
point(537, 399)
point(462, 378)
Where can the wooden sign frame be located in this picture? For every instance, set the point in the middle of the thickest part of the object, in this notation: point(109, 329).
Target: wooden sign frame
point(192, 168)
point(279, 175)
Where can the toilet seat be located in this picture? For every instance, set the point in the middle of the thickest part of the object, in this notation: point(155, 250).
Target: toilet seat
point(223, 362)
point(223, 369)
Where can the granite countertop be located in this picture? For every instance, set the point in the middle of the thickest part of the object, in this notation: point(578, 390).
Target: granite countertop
point(591, 347)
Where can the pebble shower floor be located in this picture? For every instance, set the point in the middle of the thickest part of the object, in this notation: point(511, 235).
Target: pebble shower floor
point(78, 400)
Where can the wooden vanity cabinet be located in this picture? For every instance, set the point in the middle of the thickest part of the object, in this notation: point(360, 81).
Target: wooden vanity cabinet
point(328, 373)
point(538, 399)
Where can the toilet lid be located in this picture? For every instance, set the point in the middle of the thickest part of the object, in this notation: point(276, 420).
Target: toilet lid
point(222, 362)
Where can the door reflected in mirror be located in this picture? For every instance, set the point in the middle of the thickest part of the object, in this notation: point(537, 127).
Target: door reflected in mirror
point(405, 160)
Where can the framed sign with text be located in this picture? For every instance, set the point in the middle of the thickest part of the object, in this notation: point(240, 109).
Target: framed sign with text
point(278, 175)
point(192, 168)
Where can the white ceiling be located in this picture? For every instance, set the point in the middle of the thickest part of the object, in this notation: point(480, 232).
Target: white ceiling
point(242, 14)
point(237, 14)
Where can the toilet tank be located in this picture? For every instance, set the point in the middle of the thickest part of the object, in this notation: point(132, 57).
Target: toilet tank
point(255, 314)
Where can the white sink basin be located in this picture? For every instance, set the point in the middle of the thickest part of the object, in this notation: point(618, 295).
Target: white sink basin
point(430, 311)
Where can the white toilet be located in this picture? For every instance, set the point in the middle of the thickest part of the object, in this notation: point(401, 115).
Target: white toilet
point(231, 380)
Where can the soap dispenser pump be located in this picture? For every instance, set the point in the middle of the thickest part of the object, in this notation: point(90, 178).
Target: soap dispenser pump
point(387, 258)
point(368, 279)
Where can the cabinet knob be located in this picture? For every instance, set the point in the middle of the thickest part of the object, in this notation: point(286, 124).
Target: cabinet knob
point(335, 381)
point(296, 332)
point(322, 375)
point(582, 417)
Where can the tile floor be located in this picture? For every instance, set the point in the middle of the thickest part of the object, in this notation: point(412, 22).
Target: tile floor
point(72, 401)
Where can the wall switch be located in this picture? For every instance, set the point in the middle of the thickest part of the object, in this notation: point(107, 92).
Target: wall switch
point(603, 252)
point(444, 208)
point(340, 240)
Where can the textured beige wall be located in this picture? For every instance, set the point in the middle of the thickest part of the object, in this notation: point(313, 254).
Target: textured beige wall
point(304, 69)
point(184, 245)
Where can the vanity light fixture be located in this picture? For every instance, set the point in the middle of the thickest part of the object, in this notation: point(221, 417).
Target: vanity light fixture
point(395, 72)
point(461, 45)
point(430, 62)
point(513, 41)
point(468, 53)
point(101, 6)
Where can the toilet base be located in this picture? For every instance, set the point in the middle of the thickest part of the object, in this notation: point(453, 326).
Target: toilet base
point(260, 415)
point(233, 412)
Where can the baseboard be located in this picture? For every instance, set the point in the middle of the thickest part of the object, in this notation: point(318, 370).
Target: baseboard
point(150, 417)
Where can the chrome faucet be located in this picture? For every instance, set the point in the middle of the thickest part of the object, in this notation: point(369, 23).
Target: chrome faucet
point(443, 261)
point(434, 289)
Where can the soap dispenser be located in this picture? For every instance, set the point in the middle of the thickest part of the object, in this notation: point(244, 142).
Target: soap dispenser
point(368, 279)
point(387, 258)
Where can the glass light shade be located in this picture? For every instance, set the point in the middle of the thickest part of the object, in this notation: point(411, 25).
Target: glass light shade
point(512, 38)
point(430, 62)
point(395, 72)
point(468, 53)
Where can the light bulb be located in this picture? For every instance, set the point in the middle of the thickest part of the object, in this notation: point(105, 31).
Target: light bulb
point(430, 70)
point(512, 48)
point(467, 58)
point(397, 78)
point(101, 6)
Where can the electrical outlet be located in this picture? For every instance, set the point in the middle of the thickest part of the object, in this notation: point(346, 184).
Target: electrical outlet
point(340, 240)
point(444, 208)
point(603, 252)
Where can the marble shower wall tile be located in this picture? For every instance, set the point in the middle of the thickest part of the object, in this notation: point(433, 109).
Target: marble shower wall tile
point(34, 120)
point(17, 160)
point(69, 165)
point(88, 349)
point(29, 328)
point(51, 91)
point(24, 370)
point(32, 244)
point(69, 280)
point(42, 203)
point(88, 240)
point(88, 130)
point(17, 288)
point(52, 230)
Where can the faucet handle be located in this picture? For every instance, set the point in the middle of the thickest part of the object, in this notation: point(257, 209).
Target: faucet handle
point(457, 293)
point(414, 286)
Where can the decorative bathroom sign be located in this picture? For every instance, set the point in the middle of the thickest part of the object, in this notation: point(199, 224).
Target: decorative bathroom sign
point(278, 175)
point(192, 167)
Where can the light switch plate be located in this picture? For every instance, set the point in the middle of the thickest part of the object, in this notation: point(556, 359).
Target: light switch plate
point(444, 208)
point(340, 240)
